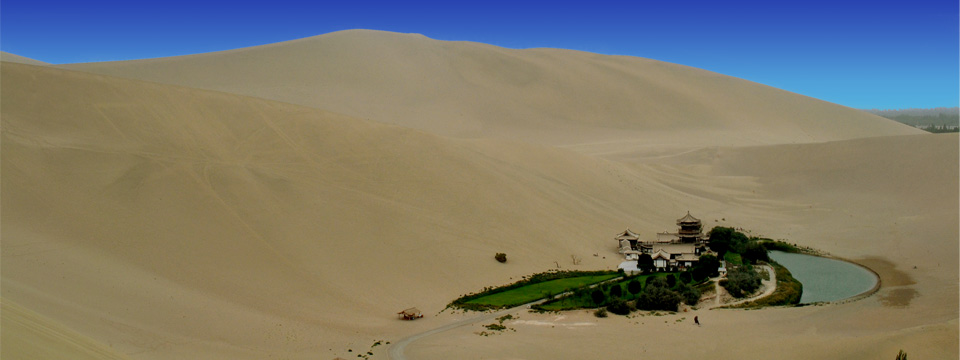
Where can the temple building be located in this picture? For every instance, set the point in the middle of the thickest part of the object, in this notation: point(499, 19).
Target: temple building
point(690, 229)
point(669, 251)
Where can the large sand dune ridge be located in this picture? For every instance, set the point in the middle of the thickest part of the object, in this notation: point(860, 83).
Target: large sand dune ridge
point(470, 89)
point(285, 201)
point(208, 205)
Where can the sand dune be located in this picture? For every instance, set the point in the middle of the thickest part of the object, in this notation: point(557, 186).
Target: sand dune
point(159, 221)
point(859, 199)
point(548, 96)
point(5, 56)
point(177, 214)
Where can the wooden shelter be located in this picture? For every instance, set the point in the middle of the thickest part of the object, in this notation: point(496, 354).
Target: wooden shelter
point(627, 240)
point(410, 314)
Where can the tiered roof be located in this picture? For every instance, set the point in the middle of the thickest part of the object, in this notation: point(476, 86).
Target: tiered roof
point(689, 219)
point(628, 235)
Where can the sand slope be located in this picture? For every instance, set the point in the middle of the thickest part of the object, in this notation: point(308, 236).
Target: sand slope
point(549, 96)
point(864, 200)
point(5, 56)
point(191, 221)
point(157, 221)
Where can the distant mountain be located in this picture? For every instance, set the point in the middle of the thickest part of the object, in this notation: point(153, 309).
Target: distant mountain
point(938, 119)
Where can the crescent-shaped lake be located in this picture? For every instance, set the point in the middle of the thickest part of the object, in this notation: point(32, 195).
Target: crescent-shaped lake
point(826, 279)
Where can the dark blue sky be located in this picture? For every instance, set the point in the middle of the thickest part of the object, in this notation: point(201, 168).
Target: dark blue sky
point(876, 54)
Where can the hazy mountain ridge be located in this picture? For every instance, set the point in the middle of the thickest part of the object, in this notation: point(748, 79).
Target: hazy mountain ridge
point(940, 119)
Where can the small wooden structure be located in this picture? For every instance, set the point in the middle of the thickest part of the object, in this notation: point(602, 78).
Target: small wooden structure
point(627, 240)
point(410, 314)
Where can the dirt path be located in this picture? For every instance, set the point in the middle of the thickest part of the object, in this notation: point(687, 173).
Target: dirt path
point(396, 349)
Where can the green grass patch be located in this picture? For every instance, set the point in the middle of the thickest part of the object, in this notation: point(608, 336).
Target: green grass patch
point(580, 297)
point(488, 298)
point(533, 292)
point(732, 258)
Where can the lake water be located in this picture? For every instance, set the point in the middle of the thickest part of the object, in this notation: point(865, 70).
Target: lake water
point(826, 279)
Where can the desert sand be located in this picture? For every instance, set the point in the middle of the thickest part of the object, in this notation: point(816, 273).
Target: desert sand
point(5, 56)
point(285, 201)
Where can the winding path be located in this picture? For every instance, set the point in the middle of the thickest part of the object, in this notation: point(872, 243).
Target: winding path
point(769, 286)
point(396, 349)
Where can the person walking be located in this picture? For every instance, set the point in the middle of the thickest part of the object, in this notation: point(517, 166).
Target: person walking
point(696, 320)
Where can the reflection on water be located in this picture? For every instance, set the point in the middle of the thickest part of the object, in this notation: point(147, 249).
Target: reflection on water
point(825, 279)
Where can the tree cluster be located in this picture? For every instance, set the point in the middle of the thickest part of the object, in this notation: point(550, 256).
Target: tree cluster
point(658, 296)
point(725, 239)
point(741, 281)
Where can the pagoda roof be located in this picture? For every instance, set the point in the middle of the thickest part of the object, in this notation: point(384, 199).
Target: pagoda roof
point(628, 235)
point(688, 219)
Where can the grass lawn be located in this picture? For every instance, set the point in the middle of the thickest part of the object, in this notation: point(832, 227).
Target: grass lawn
point(733, 258)
point(537, 291)
point(584, 301)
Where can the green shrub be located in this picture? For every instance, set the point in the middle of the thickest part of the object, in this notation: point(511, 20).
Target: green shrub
point(778, 245)
point(598, 297)
point(501, 257)
point(616, 291)
point(689, 294)
point(657, 296)
point(619, 307)
point(788, 292)
point(634, 287)
point(600, 313)
point(741, 281)
point(755, 252)
point(650, 280)
point(495, 327)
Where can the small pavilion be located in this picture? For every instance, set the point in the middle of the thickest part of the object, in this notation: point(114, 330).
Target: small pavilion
point(410, 314)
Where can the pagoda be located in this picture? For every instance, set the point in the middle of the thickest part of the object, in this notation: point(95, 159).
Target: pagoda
point(690, 229)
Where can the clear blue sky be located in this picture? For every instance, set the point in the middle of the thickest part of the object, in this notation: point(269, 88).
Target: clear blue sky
point(862, 54)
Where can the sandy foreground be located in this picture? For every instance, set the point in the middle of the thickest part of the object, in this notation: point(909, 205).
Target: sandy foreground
point(155, 221)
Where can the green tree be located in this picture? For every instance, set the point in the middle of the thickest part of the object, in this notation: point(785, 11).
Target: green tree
point(645, 263)
point(724, 239)
point(634, 287)
point(707, 267)
point(720, 240)
point(657, 296)
point(689, 294)
point(598, 297)
point(741, 281)
point(616, 292)
point(754, 252)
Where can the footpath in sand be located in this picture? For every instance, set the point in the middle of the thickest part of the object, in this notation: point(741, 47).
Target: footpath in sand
point(768, 286)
